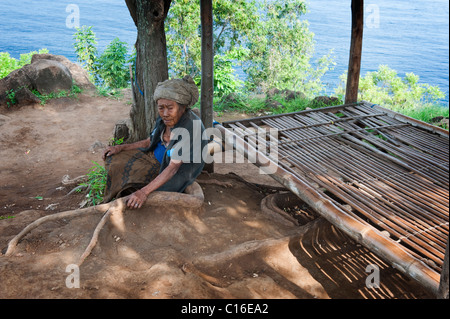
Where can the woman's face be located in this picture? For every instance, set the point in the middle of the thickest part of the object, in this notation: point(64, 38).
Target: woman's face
point(170, 112)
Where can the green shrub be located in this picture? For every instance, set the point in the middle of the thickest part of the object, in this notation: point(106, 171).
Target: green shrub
point(11, 98)
point(57, 95)
point(95, 185)
point(225, 81)
point(403, 95)
point(112, 67)
point(9, 64)
point(386, 88)
point(108, 71)
point(86, 49)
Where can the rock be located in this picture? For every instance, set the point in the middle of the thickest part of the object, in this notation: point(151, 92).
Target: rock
point(325, 100)
point(15, 80)
point(25, 96)
point(273, 91)
point(442, 121)
point(437, 119)
point(45, 76)
point(292, 95)
point(271, 103)
point(80, 76)
point(48, 76)
point(287, 94)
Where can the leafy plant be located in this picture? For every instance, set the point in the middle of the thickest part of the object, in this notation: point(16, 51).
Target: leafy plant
point(280, 48)
point(7, 217)
point(111, 66)
point(274, 45)
point(108, 71)
point(9, 64)
point(404, 95)
point(116, 141)
point(225, 81)
point(11, 97)
point(86, 48)
point(57, 95)
point(95, 185)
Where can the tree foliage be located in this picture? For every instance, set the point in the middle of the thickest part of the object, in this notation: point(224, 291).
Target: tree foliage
point(112, 65)
point(280, 48)
point(85, 44)
point(267, 39)
point(107, 70)
point(386, 88)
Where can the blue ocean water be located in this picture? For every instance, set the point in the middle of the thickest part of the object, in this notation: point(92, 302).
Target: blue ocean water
point(408, 36)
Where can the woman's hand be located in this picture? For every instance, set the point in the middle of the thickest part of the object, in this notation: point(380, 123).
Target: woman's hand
point(111, 150)
point(137, 199)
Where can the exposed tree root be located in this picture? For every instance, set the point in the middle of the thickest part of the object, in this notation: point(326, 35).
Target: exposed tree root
point(68, 214)
point(94, 239)
point(190, 268)
point(250, 247)
point(192, 198)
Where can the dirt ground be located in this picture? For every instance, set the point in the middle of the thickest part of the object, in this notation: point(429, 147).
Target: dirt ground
point(230, 248)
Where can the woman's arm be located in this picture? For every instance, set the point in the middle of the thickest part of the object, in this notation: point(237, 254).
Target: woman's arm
point(111, 150)
point(138, 198)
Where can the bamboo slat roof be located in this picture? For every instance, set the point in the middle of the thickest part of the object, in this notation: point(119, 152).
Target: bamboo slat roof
point(381, 169)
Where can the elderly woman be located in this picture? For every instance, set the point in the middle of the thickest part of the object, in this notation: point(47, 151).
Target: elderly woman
point(170, 159)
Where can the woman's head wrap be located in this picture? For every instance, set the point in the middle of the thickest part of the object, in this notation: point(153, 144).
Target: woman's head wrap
point(183, 91)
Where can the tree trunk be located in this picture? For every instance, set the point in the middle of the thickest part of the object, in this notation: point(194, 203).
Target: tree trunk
point(354, 65)
point(207, 90)
point(151, 62)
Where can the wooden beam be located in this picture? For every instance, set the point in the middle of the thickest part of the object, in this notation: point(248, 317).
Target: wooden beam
point(443, 287)
point(354, 64)
point(207, 87)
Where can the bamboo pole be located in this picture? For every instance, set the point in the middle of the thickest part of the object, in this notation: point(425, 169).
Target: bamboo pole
point(405, 119)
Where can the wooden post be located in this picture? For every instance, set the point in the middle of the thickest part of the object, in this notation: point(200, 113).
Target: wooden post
point(354, 65)
point(207, 88)
point(443, 287)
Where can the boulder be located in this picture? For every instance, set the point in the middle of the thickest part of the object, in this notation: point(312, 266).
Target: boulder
point(292, 95)
point(274, 104)
point(49, 76)
point(24, 96)
point(80, 76)
point(286, 94)
point(45, 76)
point(16, 80)
point(325, 101)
